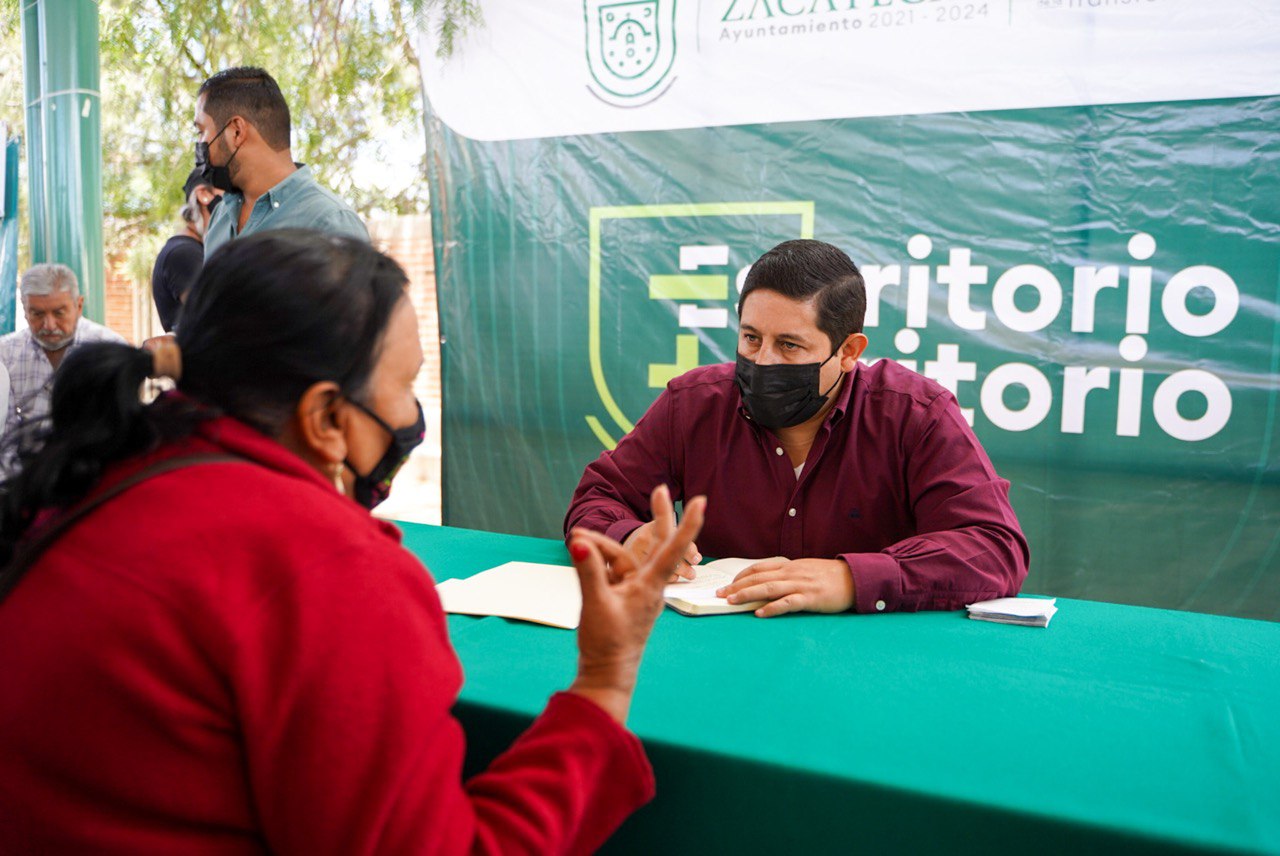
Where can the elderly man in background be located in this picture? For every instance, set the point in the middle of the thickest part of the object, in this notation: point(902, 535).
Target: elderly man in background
point(53, 306)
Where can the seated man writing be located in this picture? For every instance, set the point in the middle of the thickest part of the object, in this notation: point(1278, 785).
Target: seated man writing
point(866, 477)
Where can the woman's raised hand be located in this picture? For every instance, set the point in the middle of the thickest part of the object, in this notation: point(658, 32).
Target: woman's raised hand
point(621, 599)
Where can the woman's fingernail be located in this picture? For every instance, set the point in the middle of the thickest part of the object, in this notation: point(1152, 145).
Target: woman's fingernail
point(579, 551)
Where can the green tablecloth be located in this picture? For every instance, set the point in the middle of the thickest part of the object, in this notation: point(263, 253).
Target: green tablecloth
point(1116, 728)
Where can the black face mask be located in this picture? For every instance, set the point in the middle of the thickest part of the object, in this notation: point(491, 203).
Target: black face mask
point(218, 176)
point(782, 394)
point(375, 486)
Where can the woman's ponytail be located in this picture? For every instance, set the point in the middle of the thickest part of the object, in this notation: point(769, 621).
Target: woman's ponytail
point(97, 417)
point(270, 315)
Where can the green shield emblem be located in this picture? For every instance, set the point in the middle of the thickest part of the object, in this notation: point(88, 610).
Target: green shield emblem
point(662, 291)
point(631, 47)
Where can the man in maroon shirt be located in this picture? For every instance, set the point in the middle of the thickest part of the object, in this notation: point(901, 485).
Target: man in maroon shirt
point(866, 476)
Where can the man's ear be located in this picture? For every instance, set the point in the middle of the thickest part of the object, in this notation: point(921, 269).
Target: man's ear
point(851, 350)
point(319, 422)
point(238, 128)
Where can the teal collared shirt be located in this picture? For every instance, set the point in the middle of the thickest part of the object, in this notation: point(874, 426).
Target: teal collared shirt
point(298, 202)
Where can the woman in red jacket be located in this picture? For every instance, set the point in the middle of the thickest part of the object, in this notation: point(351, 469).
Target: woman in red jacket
point(207, 648)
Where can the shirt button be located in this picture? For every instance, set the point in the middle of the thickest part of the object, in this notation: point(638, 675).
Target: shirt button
point(791, 512)
point(879, 606)
point(275, 204)
point(778, 451)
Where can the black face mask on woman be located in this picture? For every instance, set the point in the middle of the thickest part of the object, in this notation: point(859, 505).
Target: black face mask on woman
point(375, 486)
point(781, 395)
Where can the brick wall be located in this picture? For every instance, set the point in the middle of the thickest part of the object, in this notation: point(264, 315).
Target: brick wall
point(408, 241)
point(123, 310)
point(416, 493)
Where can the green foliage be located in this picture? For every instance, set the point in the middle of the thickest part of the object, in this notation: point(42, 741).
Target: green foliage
point(456, 17)
point(11, 94)
point(12, 108)
point(348, 70)
point(346, 67)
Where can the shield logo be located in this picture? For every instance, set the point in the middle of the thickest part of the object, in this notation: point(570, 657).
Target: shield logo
point(631, 47)
point(662, 285)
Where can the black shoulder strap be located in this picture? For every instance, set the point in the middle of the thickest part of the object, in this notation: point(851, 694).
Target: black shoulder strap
point(26, 554)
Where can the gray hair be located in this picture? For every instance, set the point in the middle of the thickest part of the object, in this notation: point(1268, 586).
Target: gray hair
point(191, 208)
point(49, 278)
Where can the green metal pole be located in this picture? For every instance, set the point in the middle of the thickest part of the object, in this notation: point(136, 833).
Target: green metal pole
point(64, 140)
point(8, 230)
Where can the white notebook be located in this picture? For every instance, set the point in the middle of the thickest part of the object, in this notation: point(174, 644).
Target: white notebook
point(543, 594)
point(698, 596)
point(552, 595)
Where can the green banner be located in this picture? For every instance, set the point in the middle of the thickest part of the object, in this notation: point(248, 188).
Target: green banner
point(1099, 285)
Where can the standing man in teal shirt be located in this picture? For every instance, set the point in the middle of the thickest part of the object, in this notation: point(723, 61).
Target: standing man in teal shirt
point(242, 124)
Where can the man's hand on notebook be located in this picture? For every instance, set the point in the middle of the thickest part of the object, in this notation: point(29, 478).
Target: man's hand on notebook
point(793, 585)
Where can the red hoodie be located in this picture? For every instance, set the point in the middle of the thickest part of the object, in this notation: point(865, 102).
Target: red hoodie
point(232, 658)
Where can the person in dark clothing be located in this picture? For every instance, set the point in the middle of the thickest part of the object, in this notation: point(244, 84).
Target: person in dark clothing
point(182, 256)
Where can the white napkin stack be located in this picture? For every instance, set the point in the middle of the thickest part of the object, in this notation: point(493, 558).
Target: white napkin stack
point(1026, 611)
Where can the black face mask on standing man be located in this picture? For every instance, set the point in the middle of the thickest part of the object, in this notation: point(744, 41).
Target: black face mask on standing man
point(218, 176)
point(781, 395)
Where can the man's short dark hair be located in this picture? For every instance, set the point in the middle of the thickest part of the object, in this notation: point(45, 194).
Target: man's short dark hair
point(804, 269)
point(253, 95)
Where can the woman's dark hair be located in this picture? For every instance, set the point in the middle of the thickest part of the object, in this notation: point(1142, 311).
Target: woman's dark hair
point(269, 316)
point(804, 269)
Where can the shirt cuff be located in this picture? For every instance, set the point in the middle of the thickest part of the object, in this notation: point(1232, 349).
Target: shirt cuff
point(620, 530)
point(877, 585)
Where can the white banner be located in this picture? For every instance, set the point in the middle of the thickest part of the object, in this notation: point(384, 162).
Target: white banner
point(599, 66)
